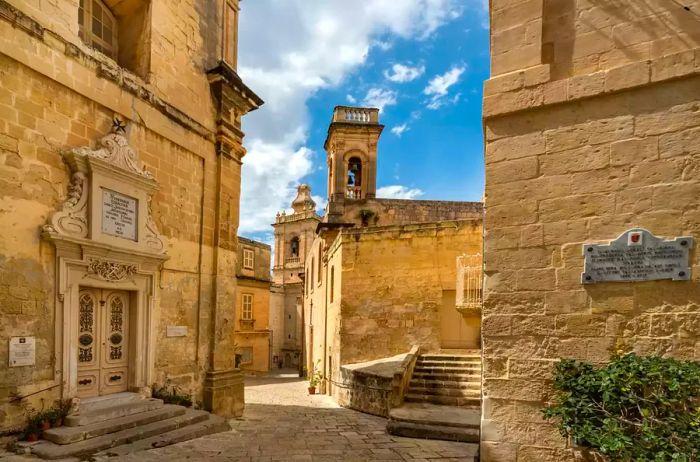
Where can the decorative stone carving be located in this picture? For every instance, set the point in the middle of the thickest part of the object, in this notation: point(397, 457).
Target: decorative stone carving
point(72, 218)
point(153, 239)
point(110, 271)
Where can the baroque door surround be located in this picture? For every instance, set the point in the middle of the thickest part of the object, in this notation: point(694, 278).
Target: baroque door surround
point(105, 238)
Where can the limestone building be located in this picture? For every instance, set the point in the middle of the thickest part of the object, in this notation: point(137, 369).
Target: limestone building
point(253, 333)
point(592, 127)
point(120, 161)
point(294, 234)
point(380, 276)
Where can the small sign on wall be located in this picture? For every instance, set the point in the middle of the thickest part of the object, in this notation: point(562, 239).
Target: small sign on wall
point(637, 255)
point(176, 331)
point(22, 351)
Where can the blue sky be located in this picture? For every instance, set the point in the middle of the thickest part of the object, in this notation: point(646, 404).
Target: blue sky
point(423, 61)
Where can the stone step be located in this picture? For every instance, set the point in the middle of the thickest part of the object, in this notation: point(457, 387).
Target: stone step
point(67, 435)
point(433, 414)
point(436, 432)
point(214, 424)
point(458, 392)
point(115, 399)
point(432, 384)
point(447, 357)
point(443, 400)
point(472, 364)
point(49, 450)
point(475, 377)
point(91, 416)
point(446, 370)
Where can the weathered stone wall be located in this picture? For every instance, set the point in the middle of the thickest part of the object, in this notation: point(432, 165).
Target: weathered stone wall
point(55, 94)
point(393, 280)
point(580, 160)
point(401, 211)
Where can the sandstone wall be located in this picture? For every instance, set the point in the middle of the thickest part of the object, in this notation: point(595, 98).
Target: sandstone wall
point(400, 211)
point(55, 94)
point(254, 335)
point(393, 280)
point(579, 160)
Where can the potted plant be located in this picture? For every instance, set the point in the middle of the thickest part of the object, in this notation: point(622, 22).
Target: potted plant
point(33, 429)
point(314, 380)
point(44, 420)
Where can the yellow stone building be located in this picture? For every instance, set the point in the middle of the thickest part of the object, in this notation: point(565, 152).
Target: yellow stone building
point(381, 274)
point(294, 234)
point(253, 334)
point(592, 127)
point(120, 161)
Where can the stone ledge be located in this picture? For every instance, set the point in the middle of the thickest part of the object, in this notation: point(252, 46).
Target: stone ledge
point(531, 89)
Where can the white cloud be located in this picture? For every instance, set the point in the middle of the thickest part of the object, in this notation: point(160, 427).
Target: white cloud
point(399, 129)
point(439, 87)
point(291, 49)
point(351, 99)
point(398, 192)
point(402, 73)
point(379, 98)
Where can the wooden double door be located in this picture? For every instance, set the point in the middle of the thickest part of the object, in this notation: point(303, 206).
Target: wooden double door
point(103, 342)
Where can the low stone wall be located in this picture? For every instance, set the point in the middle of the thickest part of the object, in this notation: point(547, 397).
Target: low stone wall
point(375, 387)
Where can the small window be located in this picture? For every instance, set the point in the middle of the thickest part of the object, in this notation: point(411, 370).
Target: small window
point(98, 27)
point(230, 34)
point(247, 313)
point(246, 355)
point(248, 259)
point(332, 282)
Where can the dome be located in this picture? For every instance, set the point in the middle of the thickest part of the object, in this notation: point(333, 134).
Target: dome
point(303, 200)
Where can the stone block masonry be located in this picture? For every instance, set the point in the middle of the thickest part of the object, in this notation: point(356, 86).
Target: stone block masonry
point(602, 143)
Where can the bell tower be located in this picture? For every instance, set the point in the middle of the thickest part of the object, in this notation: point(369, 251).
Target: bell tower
point(351, 146)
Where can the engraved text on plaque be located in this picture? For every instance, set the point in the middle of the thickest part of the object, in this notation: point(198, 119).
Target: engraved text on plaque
point(119, 214)
point(637, 255)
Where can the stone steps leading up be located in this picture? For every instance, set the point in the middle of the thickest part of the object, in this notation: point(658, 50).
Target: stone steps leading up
point(93, 415)
point(475, 377)
point(458, 392)
point(443, 400)
point(434, 432)
point(441, 362)
point(446, 370)
point(214, 424)
point(420, 420)
point(431, 383)
point(67, 435)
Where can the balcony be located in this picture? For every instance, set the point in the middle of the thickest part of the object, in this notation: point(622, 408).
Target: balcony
point(292, 261)
point(353, 192)
point(356, 115)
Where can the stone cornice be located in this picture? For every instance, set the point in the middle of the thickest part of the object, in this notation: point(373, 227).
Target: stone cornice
point(102, 66)
point(531, 88)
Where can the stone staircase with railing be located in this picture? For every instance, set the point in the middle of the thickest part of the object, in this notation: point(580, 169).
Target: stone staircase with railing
point(443, 398)
point(123, 423)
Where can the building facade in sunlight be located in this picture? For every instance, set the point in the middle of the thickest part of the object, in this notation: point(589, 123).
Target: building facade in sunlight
point(120, 137)
point(592, 126)
point(380, 276)
point(253, 333)
point(294, 235)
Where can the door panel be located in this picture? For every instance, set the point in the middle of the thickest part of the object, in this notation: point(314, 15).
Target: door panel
point(103, 342)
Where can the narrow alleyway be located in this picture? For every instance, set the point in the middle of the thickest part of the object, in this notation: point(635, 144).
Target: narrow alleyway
point(283, 423)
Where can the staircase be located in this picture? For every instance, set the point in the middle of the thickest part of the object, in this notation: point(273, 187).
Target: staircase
point(123, 423)
point(443, 398)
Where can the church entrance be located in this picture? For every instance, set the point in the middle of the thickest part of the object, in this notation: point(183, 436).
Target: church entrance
point(103, 341)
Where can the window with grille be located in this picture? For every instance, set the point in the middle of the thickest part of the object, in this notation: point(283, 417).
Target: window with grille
point(248, 258)
point(246, 355)
point(98, 27)
point(247, 307)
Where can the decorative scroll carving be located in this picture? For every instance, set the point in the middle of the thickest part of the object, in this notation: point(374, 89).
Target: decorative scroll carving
point(72, 217)
point(110, 271)
point(115, 149)
point(153, 238)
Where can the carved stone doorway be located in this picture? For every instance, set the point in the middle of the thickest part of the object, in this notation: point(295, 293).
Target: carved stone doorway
point(103, 342)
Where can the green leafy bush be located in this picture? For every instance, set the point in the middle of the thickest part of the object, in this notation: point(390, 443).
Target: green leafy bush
point(632, 409)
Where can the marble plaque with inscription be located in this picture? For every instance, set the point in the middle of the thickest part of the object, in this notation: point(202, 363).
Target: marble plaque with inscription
point(176, 331)
point(119, 214)
point(637, 255)
point(22, 351)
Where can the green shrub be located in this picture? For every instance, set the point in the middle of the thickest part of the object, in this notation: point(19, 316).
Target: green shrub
point(632, 409)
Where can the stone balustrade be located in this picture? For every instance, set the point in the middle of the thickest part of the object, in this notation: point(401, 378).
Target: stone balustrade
point(358, 115)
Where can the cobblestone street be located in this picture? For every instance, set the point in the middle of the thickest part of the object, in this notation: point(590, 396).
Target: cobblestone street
point(282, 422)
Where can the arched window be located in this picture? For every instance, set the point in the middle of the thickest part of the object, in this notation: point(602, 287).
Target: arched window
point(98, 27)
point(294, 246)
point(354, 187)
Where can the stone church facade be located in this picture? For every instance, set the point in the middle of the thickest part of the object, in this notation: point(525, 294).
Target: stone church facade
point(592, 128)
point(120, 161)
point(380, 276)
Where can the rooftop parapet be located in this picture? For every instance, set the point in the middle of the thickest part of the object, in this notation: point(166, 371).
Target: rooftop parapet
point(356, 115)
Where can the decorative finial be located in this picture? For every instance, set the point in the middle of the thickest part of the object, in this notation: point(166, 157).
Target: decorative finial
point(118, 126)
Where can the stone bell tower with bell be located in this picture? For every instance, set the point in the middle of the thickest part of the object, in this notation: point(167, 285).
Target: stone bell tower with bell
point(351, 146)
